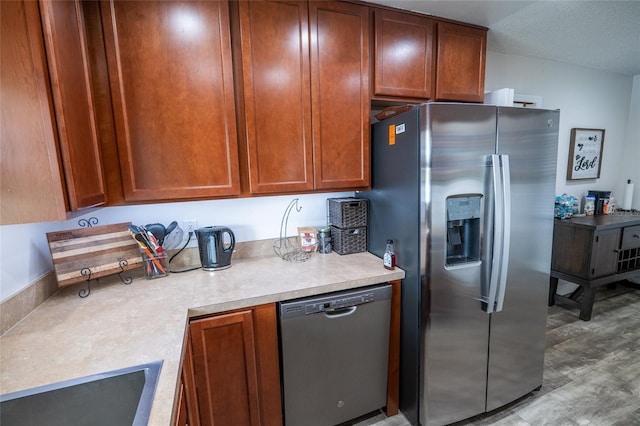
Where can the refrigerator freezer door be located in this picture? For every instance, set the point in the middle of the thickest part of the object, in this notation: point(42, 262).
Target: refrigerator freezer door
point(455, 327)
point(516, 355)
point(396, 205)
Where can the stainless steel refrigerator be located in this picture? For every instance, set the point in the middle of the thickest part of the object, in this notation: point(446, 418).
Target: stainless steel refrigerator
point(466, 193)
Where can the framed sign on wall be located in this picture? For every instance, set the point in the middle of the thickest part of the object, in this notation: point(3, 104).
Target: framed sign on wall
point(585, 153)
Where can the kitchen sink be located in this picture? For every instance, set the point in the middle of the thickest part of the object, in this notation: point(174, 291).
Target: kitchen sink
point(119, 397)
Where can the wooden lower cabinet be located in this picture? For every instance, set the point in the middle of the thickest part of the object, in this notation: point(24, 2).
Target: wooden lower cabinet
point(584, 252)
point(236, 367)
point(593, 251)
point(187, 412)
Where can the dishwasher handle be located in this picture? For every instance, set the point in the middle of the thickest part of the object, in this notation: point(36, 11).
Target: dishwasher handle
point(340, 312)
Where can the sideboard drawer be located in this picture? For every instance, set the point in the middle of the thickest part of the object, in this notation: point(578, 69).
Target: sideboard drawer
point(630, 237)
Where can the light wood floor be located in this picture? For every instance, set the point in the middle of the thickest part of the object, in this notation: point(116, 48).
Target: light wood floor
point(592, 370)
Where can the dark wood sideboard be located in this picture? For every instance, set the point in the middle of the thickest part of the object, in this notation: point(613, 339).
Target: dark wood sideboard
point(592, 251)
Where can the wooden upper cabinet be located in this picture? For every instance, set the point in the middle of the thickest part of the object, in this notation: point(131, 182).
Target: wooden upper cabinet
point(306, 120)
point(404, 64)
point(30, 177)
point(73, 102)
point(340, 94)
point(277, 100)
point(461, 54)
point(171, 80)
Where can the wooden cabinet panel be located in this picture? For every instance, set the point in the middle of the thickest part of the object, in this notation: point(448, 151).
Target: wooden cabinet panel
point(306, 121)
point(404, 62)
point(461, 54)
point(102, 101)
point(30, 176)
point(187, 412)
point(566, 258)
point(605, 253)
point(339, 34)
point(73, 101)
point(172, 86)
point(592, 251)
point(236, 367)
point(630, 237)
point(277, 102)
point(583, 253)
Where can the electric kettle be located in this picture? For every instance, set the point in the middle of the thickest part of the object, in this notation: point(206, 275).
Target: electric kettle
point(214, 255)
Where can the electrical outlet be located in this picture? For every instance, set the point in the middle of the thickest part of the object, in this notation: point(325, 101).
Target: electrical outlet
point(190, 225)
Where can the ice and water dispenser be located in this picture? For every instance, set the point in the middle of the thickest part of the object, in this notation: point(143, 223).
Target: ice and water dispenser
point(463, 229)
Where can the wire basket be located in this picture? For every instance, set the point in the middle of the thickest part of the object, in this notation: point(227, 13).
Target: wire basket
point(289, 248)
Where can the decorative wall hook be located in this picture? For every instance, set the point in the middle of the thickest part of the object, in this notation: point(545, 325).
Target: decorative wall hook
point(88, 223)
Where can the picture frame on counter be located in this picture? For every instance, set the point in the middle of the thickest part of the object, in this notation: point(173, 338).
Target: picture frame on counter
point(585, 153)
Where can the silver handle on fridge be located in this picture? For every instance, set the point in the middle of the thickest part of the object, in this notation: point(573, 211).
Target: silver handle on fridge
point(506, 230)
point(501, 232)
point(497, 233)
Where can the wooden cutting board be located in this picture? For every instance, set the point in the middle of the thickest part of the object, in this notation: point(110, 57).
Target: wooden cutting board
point(103, 250)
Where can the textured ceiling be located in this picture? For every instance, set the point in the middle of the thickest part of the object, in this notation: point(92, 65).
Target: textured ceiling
point(603, 34)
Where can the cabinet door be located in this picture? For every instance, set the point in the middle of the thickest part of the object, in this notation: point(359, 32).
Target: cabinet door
point(404, 62)
point(236, 367)
point(630, 237)
point(79, 146)
point(605, 253)
point(572, 247)
point(339, 36)
point(30, 177)
point(460, 63)
point(187, 412)
point(171, 77)
point(277, 103)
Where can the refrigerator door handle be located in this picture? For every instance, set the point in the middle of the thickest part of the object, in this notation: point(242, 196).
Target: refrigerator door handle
point(496, 252)
point(506, 230)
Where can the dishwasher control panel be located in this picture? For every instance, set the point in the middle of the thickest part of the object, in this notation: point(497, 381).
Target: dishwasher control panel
point(344, 302)
point(331, 302)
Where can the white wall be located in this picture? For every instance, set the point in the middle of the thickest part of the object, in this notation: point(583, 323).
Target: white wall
point(587, 99)
point(631, 163)
point(25, 256)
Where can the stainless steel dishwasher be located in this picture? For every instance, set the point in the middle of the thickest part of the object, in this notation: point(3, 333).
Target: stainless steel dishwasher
point(335, 351)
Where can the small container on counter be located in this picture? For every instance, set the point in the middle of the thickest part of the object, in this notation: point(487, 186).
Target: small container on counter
point(389, 259)
point(324, 240)
point(155, 265)
point(589, 205)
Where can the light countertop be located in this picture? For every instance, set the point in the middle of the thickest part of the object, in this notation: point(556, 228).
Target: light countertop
point(119, 326)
